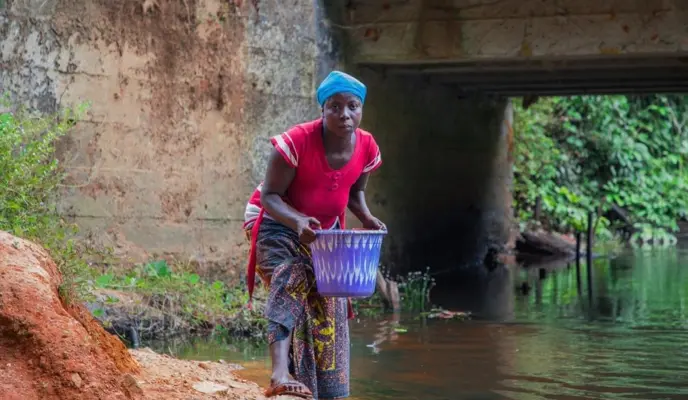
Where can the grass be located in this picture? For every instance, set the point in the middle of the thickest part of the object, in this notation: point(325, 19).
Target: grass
point(414, 290)
point(161, 300)
point(414, 294)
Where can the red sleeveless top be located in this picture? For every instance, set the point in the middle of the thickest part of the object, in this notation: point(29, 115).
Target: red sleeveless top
point(317, 190)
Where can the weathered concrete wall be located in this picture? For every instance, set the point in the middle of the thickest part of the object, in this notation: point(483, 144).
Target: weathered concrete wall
point(184, 95)
point(444, 188)
point(456, 30)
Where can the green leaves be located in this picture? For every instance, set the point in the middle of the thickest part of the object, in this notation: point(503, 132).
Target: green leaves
point(104, 280)
point(31, 173)
point(196, 301)
point(29, 170)
point(578, 153)
point(157, 269)
point(193, 278)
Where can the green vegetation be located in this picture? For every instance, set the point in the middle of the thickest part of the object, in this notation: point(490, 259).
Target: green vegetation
point(414, 290)
point(31, 177)
point(590, 153)
point(173, 299)
point(414, 293)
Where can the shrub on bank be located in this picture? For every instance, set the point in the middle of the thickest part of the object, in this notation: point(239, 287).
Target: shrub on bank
point(31, 177)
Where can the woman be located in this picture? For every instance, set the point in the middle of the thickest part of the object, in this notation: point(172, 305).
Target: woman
point(315, 171)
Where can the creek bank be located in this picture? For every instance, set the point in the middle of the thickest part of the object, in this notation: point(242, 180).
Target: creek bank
point(155, 308)
point(136, 316)
point(50, 349)
point(166, 298)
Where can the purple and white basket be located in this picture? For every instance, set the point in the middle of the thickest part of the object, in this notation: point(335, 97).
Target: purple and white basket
point(346, 261)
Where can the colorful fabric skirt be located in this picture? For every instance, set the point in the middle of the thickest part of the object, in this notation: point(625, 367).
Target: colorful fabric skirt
point(319, 356)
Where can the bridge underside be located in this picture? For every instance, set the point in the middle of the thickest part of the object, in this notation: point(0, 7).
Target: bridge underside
point(516, 47)
point(552, 77)
point(439, 73)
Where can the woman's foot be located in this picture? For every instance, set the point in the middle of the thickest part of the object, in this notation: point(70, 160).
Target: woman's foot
point(287, 386)
point(282, 383)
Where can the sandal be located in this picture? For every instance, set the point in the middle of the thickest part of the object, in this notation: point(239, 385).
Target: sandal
point(289, 388)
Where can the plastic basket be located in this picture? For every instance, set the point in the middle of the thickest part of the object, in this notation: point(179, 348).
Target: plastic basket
point(346, 261)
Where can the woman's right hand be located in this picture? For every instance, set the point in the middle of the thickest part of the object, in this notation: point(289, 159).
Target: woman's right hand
point(305, 228)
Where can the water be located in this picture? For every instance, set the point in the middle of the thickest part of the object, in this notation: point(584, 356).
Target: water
point(536, 335)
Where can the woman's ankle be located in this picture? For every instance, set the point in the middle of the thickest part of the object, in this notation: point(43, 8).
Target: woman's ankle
point(280, 377)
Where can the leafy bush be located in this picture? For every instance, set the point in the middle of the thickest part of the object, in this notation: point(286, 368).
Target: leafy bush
point(31, 175)
point(29, 171)
point(587, 153)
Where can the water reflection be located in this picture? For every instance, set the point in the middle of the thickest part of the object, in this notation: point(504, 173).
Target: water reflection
point(534, 337)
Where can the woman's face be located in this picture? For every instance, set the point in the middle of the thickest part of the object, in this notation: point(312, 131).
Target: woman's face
point(342, 114)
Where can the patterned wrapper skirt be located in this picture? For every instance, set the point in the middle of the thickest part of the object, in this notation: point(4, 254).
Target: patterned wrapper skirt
point(320, 342)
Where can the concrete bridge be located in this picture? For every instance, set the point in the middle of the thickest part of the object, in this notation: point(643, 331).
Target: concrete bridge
point(186, 93)
point(515, 47)
point(440, 71)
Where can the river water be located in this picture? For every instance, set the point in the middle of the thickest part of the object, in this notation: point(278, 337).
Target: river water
point(536, 334)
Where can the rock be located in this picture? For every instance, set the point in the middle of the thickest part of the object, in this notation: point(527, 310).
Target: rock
point(207, 387)
point(45, 362)
point(132, 385)
point(204, 366)
point(76, 379)
point(242, 385)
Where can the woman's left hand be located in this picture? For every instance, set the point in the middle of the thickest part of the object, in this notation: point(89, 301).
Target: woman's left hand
point(371, 222)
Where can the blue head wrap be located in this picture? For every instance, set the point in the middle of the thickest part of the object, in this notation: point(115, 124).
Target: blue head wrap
point(339, 82)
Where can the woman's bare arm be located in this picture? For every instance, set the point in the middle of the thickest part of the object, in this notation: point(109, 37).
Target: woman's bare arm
point(357, 203)
point(278, 178)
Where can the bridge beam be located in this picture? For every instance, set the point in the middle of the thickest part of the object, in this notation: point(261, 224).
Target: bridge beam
point(427, 31)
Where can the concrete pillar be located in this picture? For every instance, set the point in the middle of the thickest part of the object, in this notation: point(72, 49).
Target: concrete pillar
point(444, 188)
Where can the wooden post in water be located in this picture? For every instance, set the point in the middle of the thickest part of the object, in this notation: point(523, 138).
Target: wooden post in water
point(588, 252)
point(578, 260)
